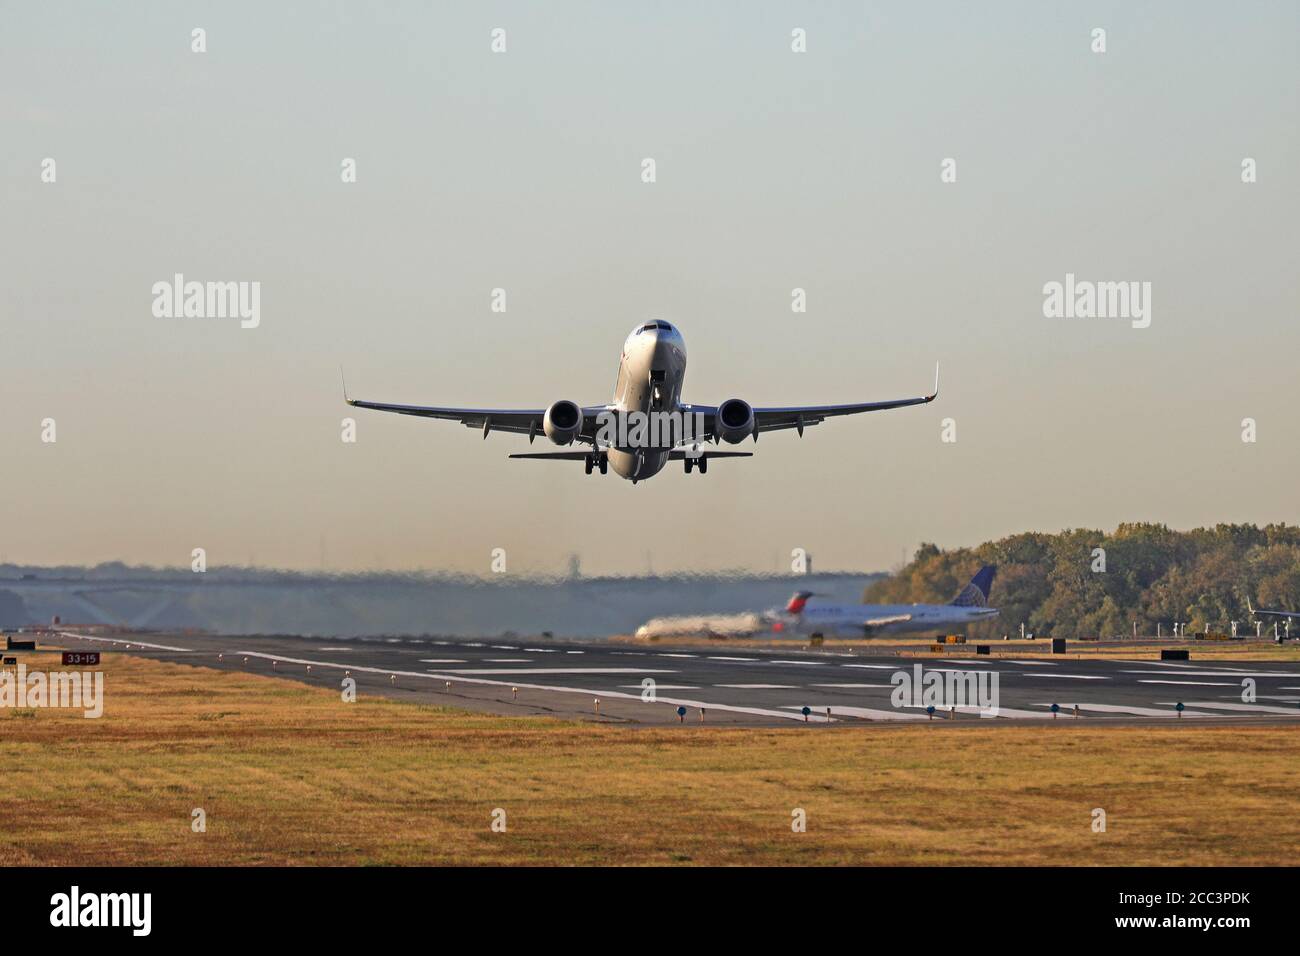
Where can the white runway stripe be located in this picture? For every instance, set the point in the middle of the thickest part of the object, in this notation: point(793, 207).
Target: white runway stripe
point(1054, 675)
point(867, 713)
point(757, 686)
point(1129, 709)
point(1222, 673)
point(110, 640)
point(1247, 708)
point(586, 691)
point(1188, 683)
point(853, 685)
point(505, 671)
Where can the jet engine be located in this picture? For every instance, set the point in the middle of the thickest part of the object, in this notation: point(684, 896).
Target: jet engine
point(735, 421)
point(562, 422)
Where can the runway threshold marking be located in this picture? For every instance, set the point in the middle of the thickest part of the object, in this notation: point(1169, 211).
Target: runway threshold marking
point(112, 640)
point(454, 676)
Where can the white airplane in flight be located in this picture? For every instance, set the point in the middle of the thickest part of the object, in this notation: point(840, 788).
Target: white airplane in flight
point(866, 620)
point(647, 424)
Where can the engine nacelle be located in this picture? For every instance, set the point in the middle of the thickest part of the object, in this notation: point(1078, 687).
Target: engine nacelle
point(562, 422)
point(735, 421)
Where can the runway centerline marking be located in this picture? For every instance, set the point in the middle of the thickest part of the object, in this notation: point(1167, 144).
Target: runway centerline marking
point(1054, 676)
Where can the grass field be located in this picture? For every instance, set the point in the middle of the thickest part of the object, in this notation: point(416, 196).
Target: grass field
point(288, 774)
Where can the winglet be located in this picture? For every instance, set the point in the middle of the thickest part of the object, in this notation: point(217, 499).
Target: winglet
point(935, 393)
point(345, 386)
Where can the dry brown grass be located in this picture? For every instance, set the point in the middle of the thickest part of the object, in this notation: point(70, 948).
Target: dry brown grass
point(289, 774)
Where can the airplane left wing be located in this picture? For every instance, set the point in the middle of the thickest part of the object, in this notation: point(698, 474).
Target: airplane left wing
point(802, 416)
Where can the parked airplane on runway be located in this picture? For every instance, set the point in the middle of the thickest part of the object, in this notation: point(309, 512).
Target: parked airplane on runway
point(647, 425)
point(865, 620)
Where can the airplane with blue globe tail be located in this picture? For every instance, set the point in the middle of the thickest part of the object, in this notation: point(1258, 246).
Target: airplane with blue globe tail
point(801, 616)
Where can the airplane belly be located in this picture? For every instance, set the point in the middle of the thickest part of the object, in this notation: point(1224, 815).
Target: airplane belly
point(636, 464)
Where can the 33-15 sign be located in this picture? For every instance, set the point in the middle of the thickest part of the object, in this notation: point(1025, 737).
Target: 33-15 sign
point(80, 658)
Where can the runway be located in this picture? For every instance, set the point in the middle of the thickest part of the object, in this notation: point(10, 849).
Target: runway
point(716, 685)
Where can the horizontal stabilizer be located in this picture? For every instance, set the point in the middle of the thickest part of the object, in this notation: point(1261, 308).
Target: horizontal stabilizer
point(557, 455)
point(681, 455)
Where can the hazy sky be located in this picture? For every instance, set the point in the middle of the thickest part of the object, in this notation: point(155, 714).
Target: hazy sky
point(521, 170)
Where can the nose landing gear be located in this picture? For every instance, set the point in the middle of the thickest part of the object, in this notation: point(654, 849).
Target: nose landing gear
point(597, 460)
point(701, 463)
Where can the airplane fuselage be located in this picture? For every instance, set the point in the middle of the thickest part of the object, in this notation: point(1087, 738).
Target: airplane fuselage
point(855, 620)
point(650, 374)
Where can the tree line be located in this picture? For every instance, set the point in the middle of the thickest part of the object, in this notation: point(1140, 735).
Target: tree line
point(1084, 583)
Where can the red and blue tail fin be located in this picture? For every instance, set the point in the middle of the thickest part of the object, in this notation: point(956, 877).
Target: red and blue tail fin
point(798, 602)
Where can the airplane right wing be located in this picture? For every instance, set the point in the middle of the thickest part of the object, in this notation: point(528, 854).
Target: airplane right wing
point(520, 421)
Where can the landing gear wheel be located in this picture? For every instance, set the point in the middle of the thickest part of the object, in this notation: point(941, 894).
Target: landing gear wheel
point(604, 464)
point(703, 465)
point(689, 463)
point(588, 464)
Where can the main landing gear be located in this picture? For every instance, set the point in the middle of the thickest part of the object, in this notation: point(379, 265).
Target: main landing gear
point(702, 463)
point(597, 460)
